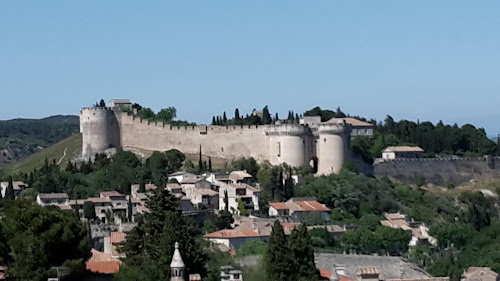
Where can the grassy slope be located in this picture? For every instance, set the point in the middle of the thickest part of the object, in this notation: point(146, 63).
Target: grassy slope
point(72, 146)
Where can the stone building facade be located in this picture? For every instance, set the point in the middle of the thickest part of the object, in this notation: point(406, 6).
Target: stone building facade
point(325, 145)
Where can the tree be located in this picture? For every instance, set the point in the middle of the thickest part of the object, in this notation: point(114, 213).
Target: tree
point(150, 246)
point(142, 185)
point(241, 207)
point(129, 209)
point(236, 115)
point(209, 164)
point(167, 114)
point(277, 257)
point(9, 192)
point(266, 116)
point(89, 210)
point(200, 162)
point(34, 247)
point(302, 252)
point(213, 121)
point(102, 103)
point(224, 119)
point(253, 247)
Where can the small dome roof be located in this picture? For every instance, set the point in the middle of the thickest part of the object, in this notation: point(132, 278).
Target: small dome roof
point(177, 259)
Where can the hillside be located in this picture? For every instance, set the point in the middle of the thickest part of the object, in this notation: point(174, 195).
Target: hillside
point(61, 152)
point(20, 138)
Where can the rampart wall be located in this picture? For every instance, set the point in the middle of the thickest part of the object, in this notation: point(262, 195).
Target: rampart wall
point(229, 142)
point(439, 171)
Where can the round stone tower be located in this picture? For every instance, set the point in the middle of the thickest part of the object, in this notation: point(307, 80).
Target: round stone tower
point(333, 147)
point(100, 130)
point(287, 144)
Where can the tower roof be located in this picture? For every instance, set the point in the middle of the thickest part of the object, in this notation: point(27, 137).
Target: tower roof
point(177, 259)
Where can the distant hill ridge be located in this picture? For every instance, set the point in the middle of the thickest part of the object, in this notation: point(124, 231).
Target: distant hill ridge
point(22, 137)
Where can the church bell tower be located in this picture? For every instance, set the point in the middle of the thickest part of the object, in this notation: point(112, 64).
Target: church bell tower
point(177, 265)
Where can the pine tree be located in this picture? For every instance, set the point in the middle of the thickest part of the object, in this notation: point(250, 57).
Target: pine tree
point(9, 192)
point(209, 164)
point(277, 257)
point(302, 253)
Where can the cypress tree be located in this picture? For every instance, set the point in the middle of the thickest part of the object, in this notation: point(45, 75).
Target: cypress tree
point(224, 118)
point(276, 118)
point(209, 164)
point(142, 185)
point(9, 192)
point(200, 163)
point(266, 116)
point(213, 120)
point(277, 257)
point(302, 254)
point(236, 114)
point(129, 209)
point(217, 121)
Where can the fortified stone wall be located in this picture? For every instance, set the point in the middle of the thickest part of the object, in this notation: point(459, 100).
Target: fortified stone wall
point(229, 142)
point(439, 171)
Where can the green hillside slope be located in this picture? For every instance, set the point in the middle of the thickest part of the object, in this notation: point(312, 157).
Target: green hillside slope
point(61, 152)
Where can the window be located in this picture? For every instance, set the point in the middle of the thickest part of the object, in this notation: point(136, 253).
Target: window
point(236, 276)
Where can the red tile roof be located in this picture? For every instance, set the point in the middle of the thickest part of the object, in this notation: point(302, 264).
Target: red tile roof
point(279, 206)
point(117, 237)
point(312, 206)
point(233, 233)
point(102, 263)
point(326, 274)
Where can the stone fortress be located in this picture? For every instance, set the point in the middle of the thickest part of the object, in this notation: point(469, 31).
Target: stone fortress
point(324, 145)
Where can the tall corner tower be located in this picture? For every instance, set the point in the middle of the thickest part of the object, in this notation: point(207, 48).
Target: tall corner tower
point(100, 130)
point(287, 144)
point(333, 147)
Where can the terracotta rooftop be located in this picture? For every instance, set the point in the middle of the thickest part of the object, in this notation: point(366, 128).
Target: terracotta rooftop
point(102, 263)
point(403, 149)
point(233, 233)
point(354, 122)
point(192, 180)
point(110, 193)
point(312, 206)
point(239, 175)
point(117, 237)
point(370, 270)
point(279, 205)
point(326, 274)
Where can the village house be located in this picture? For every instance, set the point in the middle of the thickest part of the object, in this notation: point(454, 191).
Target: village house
point(241, 177)
point(103, 207)
point(248, 194)
point(18, 186)
point(47, 199)
point(203, 198)
point(395, 152)
point(419, 232)
point(111, 243)
point(299, 208)
point(198, 182)
point(102, 263)
point(479, 274)
point(336, 274)
point(120, 103)
point(180, 176)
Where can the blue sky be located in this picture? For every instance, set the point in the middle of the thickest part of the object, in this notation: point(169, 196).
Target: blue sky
point(427, 60)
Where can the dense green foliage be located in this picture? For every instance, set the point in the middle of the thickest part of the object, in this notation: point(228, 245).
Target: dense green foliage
point(117, 173)
point(149, 246)
point(253, 247)
point(35, 239)
point(290, 260)
point(165, 115)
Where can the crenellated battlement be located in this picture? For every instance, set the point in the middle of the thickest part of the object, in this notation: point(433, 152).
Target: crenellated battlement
point(287, 130)
point(95, 109)
point(336, 129)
